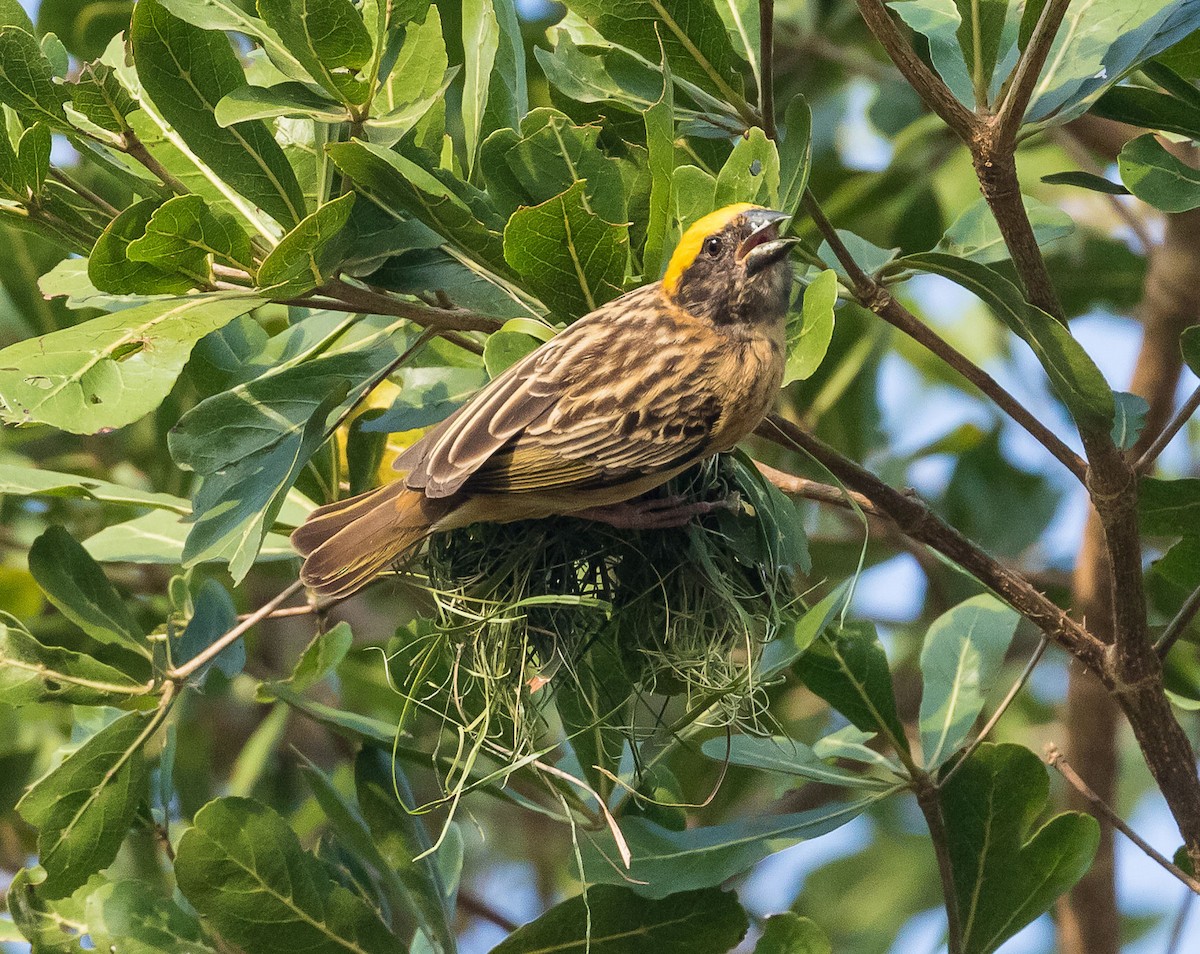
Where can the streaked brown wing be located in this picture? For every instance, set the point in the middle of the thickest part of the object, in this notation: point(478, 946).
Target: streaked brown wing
point(607, 398)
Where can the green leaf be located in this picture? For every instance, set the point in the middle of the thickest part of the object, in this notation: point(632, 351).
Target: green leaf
point(1097, 44)
point(692, 34)
point(963, 653)
point(390, 808)
point(503, 349)
point(695, 194)
point(111, 269)
point(159, 538)
point(785, 649)
point(398, 184)
point(662, 231)
point(781, 754)
point(34, 482)
point(298, 263)
point(615, 77)
point(430, 395)
point(33, 156)
point(76, 585)
point(481, 40)
point(870, 257)
point(329, 38)
point(1157, 177)
point(184, 231)
point(31, 672)
point(1130, 419)
point(1004, 875)
point(187, 71)
point(751, 173)
point(789, 933)
point(848, 669)
point(134, 918)
point(795, 154)
point(233, 15)
point(1073, 374)
point(508, 96)
point(1169, 508)
point(108, 372)
point(568, 255)
point(614, 920)
point(286, 99)
point(810, 332)
point(665, 862)
point(974, 235)
point(98, 95)
point(83, 809)
point(419, 75)
point(941, 22)
point(242, 867)
point(1086, 180)
point(1149, 109)
point(27, 80)
point(321, 657)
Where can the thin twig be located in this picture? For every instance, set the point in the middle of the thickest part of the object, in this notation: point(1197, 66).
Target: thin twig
point(1055, 758)
point(880, 300)
point(1178, 625)
point(1167, 434)
point(102, 204)
point(766, 92)
point(1011, 113)
point(481, 909)
point(136, 149)
point(1173, 944)
point(815, 490)
point(180, 673)
point(1000, 710)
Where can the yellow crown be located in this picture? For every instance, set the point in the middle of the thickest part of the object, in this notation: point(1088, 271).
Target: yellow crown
point(693, 240)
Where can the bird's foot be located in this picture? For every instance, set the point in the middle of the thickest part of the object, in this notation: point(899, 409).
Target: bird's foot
point(658, 513)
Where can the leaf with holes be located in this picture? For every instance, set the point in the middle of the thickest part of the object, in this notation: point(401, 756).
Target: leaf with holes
point(108, 372)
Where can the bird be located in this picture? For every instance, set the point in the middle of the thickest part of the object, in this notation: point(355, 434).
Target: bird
point(622, 400)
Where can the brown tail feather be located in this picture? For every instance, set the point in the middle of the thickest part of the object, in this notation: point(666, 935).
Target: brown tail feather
point(345, 544)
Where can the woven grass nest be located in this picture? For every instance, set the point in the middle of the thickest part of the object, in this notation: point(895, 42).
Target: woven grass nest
point(598, 618)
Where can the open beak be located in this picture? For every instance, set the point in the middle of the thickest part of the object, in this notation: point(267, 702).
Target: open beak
point(763, 246)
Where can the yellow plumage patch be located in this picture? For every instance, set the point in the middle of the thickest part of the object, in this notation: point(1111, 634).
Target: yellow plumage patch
point(693, 240)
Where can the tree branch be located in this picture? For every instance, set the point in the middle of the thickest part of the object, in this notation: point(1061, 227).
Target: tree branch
point(1016, 100)
point(1055, 758)
point(929, 86)
point(880, 300)
point(766, 92)
point(920, 523)
point(1165, 436)
point(1178, 625)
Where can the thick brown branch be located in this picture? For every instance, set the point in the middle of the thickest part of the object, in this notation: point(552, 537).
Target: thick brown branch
point(920, 523)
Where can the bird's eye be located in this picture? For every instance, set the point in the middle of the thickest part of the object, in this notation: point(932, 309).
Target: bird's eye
point(712, 245)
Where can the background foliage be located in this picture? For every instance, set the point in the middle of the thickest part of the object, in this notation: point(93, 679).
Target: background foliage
point(254, 248)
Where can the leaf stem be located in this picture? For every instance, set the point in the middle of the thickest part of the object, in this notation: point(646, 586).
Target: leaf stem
point(931, 808)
